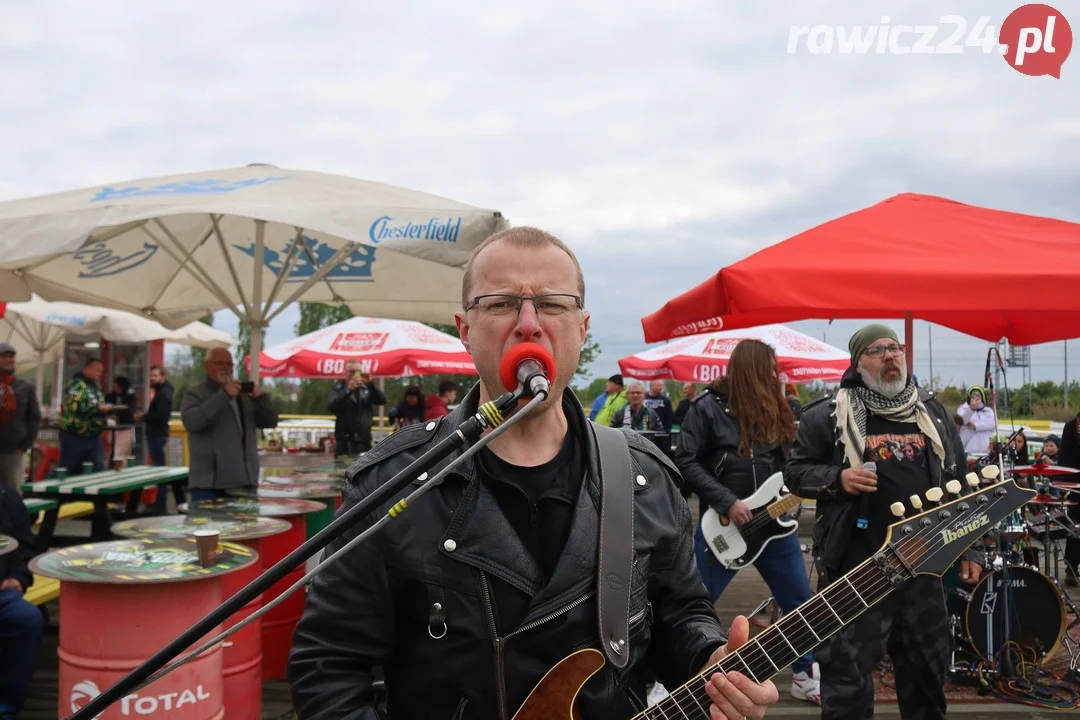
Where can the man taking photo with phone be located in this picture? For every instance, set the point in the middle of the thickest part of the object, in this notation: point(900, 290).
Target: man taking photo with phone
point(353, 401)
point(221, 416)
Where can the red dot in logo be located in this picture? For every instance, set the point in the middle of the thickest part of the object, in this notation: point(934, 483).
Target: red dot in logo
point(1036, 40)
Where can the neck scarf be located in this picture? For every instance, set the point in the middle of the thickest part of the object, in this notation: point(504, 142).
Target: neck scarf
point(8, 404)
point(854, 403)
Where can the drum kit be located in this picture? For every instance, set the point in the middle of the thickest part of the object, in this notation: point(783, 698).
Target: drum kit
point(1015, 604)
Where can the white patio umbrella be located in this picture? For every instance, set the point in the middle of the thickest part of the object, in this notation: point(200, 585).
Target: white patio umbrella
point(38, 328)
point(178, 248)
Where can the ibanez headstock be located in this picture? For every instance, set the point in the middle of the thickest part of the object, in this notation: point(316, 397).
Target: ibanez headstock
point(929, 542)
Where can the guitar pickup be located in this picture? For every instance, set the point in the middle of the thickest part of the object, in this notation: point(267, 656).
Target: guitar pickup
point(720, 544)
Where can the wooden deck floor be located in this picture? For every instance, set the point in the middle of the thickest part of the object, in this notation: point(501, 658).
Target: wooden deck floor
point(744, 593)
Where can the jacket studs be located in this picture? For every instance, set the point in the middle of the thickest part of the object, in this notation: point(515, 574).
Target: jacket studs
point(617, 646)
point(640, 480)
point(430, 426)
point(449, 546)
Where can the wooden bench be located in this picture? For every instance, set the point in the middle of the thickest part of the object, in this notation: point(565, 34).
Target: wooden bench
point(42, 591)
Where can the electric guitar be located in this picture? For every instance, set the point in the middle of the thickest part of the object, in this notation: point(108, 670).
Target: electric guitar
point(927, 543)
point(737, 546)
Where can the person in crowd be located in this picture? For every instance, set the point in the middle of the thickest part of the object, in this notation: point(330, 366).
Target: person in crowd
point(353, 400)
point(82, 419)
point(690, 391)
point(791, 394)
point(637, 415)
point(1069, 456)
point(157, 415)
point(410, 410)
point(732, 440)
point(20, 420)
point(437, 405)
point(614, 400)
point(221, 418)
point(877, 413)
point(469, 598)
point(659, 403)
point(21, 624)
point(123, 400)
point(1051, 447)
point(980, 421)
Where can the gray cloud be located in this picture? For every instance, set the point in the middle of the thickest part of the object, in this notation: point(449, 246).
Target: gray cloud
point(662, 140)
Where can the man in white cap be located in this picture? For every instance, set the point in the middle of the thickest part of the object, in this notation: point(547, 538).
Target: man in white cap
point(20, 418)
point(879, 415)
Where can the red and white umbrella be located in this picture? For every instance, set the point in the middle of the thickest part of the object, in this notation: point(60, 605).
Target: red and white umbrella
point(385, 348)
point(704, 358)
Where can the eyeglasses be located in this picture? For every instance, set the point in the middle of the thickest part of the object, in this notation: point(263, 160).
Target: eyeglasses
point(552, 305)
point(876, 351)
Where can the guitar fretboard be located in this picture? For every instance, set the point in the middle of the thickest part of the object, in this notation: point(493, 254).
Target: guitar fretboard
point(794, 635)
point(782, 505)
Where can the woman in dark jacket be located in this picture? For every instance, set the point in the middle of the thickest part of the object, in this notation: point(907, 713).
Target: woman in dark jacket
point(733, 439)
point(122, 395)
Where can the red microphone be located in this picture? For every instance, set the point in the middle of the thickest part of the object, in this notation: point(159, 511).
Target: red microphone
point(527, 366)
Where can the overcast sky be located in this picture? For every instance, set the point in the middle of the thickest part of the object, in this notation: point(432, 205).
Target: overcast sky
point(661, 140)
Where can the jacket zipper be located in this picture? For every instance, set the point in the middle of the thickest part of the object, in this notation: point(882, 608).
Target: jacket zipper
point(499, 642)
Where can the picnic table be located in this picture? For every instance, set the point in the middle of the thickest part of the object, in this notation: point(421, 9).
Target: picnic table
point(101, 489)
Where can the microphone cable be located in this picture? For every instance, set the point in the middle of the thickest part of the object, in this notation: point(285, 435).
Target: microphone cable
point(394, 512)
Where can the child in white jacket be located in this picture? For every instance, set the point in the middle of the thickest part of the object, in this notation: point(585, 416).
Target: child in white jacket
point(980, 422)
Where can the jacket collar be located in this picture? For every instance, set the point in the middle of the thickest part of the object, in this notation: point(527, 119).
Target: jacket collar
point(483, 538)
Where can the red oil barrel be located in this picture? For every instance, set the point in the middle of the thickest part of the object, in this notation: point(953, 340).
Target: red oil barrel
point(278, 624)
point(242, 655)
point(122, 601)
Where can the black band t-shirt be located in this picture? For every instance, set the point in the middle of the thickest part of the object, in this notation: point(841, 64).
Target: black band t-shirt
point(903, 468)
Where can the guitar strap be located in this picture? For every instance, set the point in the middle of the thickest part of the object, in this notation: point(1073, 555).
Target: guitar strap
point(616, 559)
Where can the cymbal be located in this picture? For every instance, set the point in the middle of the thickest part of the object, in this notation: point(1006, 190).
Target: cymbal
point(1044, 470)
point(1048, 500)
point(1065, 485)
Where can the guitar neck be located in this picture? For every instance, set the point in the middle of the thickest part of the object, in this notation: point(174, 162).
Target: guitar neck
point(794, 635)
point(782, 505)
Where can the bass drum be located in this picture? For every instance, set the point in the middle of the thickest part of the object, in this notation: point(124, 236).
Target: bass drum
point(1036, 613)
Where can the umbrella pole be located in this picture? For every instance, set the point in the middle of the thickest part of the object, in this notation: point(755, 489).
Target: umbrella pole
point(909, 341)
point(40, 377)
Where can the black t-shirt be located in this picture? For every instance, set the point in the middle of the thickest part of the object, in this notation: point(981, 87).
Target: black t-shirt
point(902, 456)
point(538, 501)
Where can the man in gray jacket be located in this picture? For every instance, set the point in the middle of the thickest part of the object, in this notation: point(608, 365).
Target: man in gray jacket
point(220, 420)
point(20, 418)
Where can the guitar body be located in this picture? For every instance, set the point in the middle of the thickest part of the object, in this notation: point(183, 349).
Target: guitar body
point(737, 547)
point(554, 696)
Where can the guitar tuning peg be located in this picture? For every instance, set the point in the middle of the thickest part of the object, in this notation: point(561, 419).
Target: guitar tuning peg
point(972, 480)
point(898, 509)
point(953, 487)
point(916, 502)
point(934, 495)
point(991, 472)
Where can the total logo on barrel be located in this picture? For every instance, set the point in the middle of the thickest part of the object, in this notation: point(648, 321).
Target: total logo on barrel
point(135, 704)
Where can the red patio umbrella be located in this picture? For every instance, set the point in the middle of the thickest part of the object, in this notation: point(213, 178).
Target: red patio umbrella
point(987, 273)
point(384, 348)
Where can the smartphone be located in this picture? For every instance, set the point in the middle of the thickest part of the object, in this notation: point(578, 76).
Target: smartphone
point(247, 387)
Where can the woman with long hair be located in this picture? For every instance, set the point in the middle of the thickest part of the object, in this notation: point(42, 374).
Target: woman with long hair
point(735, 436)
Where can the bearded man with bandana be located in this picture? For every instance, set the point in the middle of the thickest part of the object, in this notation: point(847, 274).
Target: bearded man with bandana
point(877, 410)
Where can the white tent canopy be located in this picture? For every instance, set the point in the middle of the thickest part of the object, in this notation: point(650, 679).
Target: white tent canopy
point(38, 328)
point(244, 239)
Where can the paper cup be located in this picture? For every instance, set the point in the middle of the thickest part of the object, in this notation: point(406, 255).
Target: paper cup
point(207, 542)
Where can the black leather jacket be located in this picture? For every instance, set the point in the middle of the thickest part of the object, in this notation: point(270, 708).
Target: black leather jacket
point(817, 459)
point(417, 599)
point(708, 454)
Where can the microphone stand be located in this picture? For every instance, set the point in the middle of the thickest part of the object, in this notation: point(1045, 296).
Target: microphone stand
point(488, 415)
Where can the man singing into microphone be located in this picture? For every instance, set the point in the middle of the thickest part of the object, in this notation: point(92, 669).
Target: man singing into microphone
point(878, 415)
point(489, 580)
